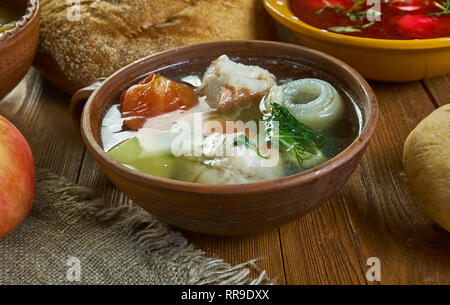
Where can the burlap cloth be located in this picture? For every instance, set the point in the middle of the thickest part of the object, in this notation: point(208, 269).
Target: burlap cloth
point(119, 245)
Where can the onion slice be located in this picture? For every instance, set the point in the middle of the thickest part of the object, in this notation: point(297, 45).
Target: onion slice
point(313, 102)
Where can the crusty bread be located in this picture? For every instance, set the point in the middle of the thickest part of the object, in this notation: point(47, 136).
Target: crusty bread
point(113, 33)
point(426, 160)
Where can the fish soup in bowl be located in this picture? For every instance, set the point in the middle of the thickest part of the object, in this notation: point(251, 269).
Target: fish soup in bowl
point(226, 122)
point(158, 129)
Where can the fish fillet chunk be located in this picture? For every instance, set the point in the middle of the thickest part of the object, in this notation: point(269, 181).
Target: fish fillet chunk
point(232, 87)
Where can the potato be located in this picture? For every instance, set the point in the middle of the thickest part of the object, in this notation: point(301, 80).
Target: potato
point(426, 160)
point(130, 153)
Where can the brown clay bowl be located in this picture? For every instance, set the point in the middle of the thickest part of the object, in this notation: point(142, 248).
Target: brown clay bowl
point(18, 45)
point(229, 209)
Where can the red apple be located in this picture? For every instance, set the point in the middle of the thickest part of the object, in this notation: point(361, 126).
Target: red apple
point(17, 177)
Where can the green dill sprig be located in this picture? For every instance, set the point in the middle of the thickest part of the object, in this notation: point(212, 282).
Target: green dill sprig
point(353, 13)
point(367, 25)
point(294, 136)
point(445, 7)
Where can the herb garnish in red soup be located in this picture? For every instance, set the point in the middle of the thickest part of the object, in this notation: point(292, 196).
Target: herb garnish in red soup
point(231, 123)
point(389, 19)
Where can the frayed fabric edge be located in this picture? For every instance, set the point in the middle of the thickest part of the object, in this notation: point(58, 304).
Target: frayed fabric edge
point(156, 237)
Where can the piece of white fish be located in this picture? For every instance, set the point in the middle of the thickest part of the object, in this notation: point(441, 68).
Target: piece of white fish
point(223, 162)
point(232, 87)
point(214, 159)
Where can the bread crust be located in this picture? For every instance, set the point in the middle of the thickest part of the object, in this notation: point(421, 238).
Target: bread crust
point(113, 33)
point(426, 160)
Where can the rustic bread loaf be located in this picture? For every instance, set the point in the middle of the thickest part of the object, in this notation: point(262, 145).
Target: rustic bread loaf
point(113, 33)
point(426, 159)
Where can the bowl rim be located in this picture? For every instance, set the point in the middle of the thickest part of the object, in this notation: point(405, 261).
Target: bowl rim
point(30, 13)
point(279, 9)
point(265, 186)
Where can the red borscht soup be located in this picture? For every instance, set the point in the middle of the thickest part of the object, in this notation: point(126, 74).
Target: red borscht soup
point(383, 19)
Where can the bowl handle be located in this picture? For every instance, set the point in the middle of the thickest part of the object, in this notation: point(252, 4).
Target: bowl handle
point(80, 98)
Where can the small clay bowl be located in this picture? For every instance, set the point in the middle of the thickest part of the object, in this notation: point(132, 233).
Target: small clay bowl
point(18, 44)
point(229, 209)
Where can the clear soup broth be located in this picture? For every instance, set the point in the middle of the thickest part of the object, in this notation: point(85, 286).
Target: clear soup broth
point(8, 16)
point(301, 118)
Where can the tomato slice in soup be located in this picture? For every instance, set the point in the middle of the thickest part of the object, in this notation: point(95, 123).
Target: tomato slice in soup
point(153, 96)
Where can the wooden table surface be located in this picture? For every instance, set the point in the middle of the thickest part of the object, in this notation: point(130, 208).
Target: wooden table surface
point(373, 215)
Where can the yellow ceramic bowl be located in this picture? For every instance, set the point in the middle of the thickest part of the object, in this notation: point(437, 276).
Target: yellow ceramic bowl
point(376, 59)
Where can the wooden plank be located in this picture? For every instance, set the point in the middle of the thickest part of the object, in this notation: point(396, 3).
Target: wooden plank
point(42, 115)
point(374, 214)
point(439, 89)
point(234, 250)
point(239, 249)
point(320, 247)
point(391, 225)
point(91, 176)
